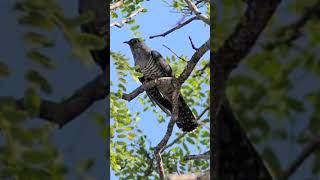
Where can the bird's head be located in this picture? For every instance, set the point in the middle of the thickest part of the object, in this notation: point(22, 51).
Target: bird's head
point(141, 52)
point(136, 43)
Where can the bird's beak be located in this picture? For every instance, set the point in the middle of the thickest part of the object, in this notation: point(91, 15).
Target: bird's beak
point(127, 42)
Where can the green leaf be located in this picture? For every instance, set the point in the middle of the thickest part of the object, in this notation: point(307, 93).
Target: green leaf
point(38, 39)
point(35, 173)
point(121, 143)
point(37, 79)
point(36, 157)
point(82, 19)
point(114, 15)
point(190, 140)
point(121, 136)
point(4, 70)
point(296, 105)
point(272, 160)
point(32, 102)
point(89, 41)
point(86, 165)
point(314, 122)
point(131, 136)
point(101, 119)
point(36, 19)
point(40, 59)
point(133, 28)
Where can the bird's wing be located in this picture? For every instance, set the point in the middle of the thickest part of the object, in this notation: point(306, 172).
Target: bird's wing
point(157, 99)
point(162, 62)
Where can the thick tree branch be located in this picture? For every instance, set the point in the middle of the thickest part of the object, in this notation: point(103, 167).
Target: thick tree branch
point(180, 25)
point(126, 20)
point(146, 86)
point(61, 113)
point(196, 11)
point(239, 43)
point(235, 48)
point(306, 152)
point(193, 62)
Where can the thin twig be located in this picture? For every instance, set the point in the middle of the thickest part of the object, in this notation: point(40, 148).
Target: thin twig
point(175, 28)
point(173, 142)
point(126, 20)
point(203, 112)
point(289, 33)
point(307, 151)
point(174, 53)
point(197, 12)
point(202, 70)
point(193, 47)
point(204, 156)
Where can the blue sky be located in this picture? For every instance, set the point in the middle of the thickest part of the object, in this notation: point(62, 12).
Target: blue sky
point(158, 19)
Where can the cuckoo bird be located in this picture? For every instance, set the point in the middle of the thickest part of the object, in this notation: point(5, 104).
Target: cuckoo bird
point(99, 9)
point(152, 65)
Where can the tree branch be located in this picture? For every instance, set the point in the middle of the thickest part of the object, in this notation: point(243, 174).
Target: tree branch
point(164, 141)
point(97, 27)
point(116, 5)
point(193, 62)
point(184, 133)
point(196, 11)
point(126, 20)
point(180, 25)
point(61, 113)
point(204, 156)
point(289, 33)
point(193, 47)
point(306, 152)
point(146, 86)
point(202, 70)
point(148, 171)
point(174, 53)
point(234, 49)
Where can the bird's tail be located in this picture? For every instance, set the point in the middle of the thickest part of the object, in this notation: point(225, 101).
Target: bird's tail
point(186, 120)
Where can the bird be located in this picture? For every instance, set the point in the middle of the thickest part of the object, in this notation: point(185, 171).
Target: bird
point(152, 66)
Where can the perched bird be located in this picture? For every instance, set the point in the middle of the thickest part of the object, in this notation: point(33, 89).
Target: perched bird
point(152, 65)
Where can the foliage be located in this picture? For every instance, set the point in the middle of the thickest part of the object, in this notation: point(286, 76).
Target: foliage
point(26, 149)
